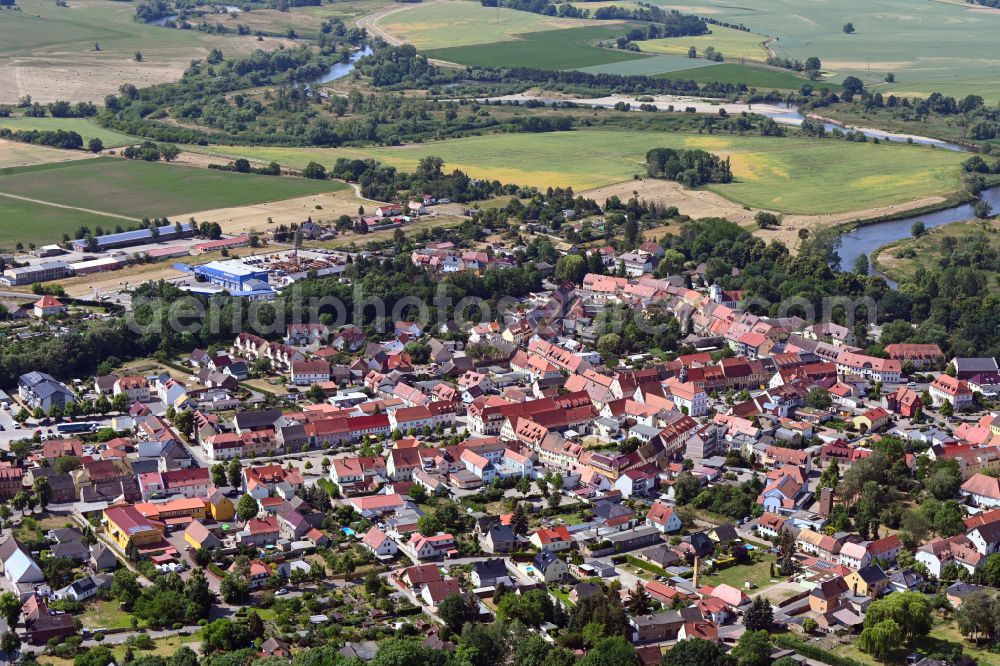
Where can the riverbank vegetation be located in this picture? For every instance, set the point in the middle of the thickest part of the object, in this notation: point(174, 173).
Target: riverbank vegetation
point(967, 120)
point(971, 243)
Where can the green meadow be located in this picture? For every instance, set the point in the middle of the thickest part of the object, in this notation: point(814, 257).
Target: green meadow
point(85, 127)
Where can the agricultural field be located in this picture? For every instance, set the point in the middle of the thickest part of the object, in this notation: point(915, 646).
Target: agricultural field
point(601, 4)
point(305, 21)
point(552, 49)
point(658, 64)
point(763, 78)
point(85, 127)
point(48, 51)
point(462, 23)
point(929, 46)
point(791, 175)
point(15, 154)
point(52, 199)
point(323, 207)
point(731, 42)
point(30, 222)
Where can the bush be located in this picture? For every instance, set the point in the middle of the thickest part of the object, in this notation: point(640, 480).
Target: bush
point(812, 652)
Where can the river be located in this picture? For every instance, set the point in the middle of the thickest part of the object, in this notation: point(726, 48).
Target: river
point(162, 20)
point(863, 240)
point(342, 69)
point(867, 239)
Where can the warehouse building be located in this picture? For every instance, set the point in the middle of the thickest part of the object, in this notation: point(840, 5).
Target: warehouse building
point(167, 232)
point(221, 244)
point(231, 274)
point(50, 270)
point(97, 265)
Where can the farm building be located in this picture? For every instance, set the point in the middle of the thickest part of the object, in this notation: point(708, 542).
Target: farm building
point(136, 237)
point(96, 265)
point(221, 244)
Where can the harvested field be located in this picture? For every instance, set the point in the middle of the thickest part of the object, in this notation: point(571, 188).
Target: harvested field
point(326, 207)
point(49, 52)
point(15, 154)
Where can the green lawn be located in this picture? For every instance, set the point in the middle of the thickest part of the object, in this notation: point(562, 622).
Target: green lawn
point(85, 127)
point(758, 573)
point(934, 46)
point(792, 174)
point(106, 615)
point(138, 189)
point(552, 49)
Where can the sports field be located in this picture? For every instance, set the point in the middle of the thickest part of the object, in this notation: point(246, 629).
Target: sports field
point(930, 46)
point(568, 48)
point(461, 23)
point(48, 51)
point(145, 189)
point(795, 175)
point(731, 42)
point(85, 127)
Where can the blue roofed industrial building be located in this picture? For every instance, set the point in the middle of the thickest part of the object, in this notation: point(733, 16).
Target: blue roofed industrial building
point(232, 275)
point(137, 237)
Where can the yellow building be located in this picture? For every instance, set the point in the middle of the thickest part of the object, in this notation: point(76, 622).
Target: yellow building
point(868, 581)
point(221, 507)
point(125, 525)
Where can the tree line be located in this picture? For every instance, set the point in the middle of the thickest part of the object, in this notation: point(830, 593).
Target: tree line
point(691, 168)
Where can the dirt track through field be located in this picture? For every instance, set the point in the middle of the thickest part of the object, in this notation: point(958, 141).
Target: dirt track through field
point(82, 210)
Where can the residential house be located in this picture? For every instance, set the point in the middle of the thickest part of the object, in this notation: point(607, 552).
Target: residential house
point(952, 390)
point(551, 538)
point(549, 568)
point(982, 490)
point(663, 518)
